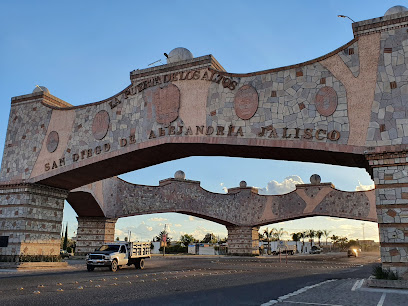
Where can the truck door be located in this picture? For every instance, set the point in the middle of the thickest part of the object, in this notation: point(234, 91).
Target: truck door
point(122, 255)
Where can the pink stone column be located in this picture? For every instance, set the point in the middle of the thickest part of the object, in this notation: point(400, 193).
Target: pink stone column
point(93, 232)
point(390, 172)
point(30, 222)
point(243, 240)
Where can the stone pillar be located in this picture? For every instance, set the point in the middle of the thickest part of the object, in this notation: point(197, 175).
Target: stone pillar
point(243, 240)
point(93, 232)
point(30, 221)
point(390, 172)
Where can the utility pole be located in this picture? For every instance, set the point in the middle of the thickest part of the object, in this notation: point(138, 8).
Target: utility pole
point(363, 235)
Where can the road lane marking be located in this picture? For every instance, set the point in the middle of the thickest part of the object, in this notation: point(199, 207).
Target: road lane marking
point(305, 303)
point(382, 299)
point(304, 289)
point(357, 284)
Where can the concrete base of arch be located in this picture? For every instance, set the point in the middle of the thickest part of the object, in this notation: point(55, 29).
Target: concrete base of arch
point(30, 222)
point(93, 232)
point(243, 240)
point(390, 172)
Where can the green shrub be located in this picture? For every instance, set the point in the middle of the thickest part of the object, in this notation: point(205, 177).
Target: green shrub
point(381, 273)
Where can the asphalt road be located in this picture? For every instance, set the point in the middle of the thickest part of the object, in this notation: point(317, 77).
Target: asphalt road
point(193, 280)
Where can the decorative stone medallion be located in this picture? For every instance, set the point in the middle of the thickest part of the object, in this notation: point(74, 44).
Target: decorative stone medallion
point(52, 141)
point(326, 101)
point(246, 102)
point(166, 101)
point(100, 124)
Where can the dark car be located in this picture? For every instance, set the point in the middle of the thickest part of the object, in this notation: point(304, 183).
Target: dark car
point(64, 254)
point(353, 252)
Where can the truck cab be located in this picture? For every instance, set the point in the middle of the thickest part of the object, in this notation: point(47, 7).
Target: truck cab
point(117, 254)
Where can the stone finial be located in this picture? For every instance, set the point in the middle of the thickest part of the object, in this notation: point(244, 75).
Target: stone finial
point(40, 88)
point(315, 179)
point(242, 184)
point(395, 9)
point(179, 54)
point(180, 175)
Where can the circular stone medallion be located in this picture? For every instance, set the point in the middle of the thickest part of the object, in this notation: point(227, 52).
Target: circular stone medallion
point(246, 102)
point(166, 101)
point(100, 125)
point(326, 101)
point(52, 141)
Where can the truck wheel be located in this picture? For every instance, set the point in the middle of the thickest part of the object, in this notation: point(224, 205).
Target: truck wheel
point(90, 268)
point(140, 264)
point(114, 265)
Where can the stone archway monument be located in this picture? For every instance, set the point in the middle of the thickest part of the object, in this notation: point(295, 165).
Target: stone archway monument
point(348, 108)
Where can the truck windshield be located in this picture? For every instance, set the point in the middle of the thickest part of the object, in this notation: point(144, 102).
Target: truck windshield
point(109, 248)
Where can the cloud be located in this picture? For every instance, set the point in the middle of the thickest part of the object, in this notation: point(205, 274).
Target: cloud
point(221, 184)
point(362, 187)
point(286, 186)
point(157, 219)
point(225, 189)
point(177, 225)
point(191, 218)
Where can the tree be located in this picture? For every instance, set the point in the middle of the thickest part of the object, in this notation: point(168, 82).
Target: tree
point(334, 239)
point(126, 239)
point(296, 237)
point(117, 239)
point(186, 239)
point(342, 241)
point(319, 235)
point(326, 234)
point(278, 233)
point(159, 237)
point(65, 244)
point(311, 234)
point(268, 235)
point(209, 238)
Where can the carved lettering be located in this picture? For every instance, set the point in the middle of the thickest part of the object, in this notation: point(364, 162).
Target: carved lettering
point(220, 130)
point(231, 130)
point(196, 75)
point(123, 142)
point(285, 135)
point(297, 133)
point(62, 162)
point(239, 132)
point(75, 157)
point(189, 131)
point(132, 139)
point(54, 165)
point(162, 132)
point(47, 167)
point(205, 76)
point(308, 134)
point(209, 130)
point(152, 135)
point(172, 130)
point(318, 132)
point(180, 131)
point(200, 129)
point(98, 150)
point(333, 135)
point(106, 147)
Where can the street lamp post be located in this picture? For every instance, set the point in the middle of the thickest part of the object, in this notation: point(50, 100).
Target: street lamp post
point(344, 16)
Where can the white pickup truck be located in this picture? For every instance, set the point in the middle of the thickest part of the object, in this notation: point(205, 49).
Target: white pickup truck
point(117, 254)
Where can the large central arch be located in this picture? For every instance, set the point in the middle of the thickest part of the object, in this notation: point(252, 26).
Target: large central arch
point(345, 108)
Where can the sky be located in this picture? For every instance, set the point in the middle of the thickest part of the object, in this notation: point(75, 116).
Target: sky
point(83, 52)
